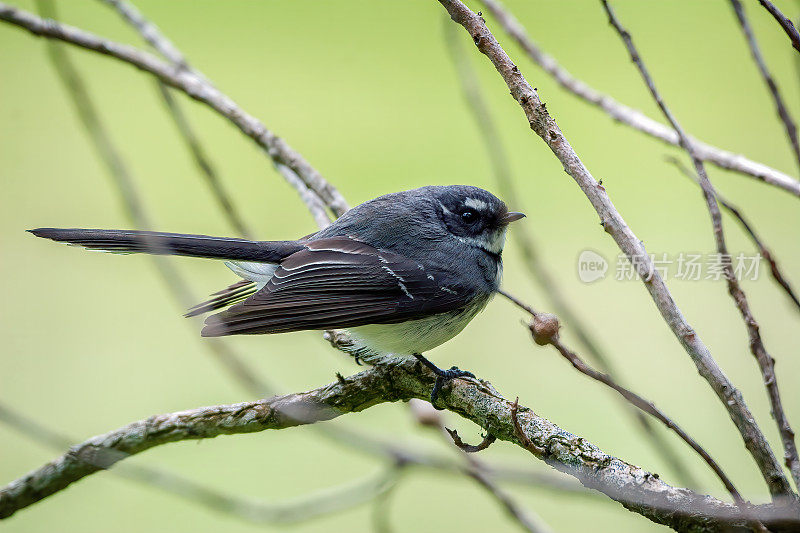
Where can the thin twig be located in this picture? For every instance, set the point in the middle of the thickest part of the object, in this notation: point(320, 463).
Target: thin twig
point(645, 405)
point(545, 330)
point(629, 116)
point(479, 108)
point(519, 515)
point(471, 448)
point(784, 22)
point(777, 275)
point(765, 362)
point(152, 35)
point(131, 201)
point(203, 162)
point(197, 88)
point(780, 106)
point(381, 522)
point(613, 223)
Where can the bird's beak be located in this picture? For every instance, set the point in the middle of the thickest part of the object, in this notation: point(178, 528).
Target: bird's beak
point(511, 216)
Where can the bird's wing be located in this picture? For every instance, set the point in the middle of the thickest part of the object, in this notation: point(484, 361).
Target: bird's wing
point(227, 296)
point(337, 283)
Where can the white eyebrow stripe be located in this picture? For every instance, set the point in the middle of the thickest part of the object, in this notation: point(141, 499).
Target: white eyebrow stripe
point(474, 203)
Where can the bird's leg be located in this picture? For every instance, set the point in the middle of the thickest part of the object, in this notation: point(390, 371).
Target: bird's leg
point(442, 376)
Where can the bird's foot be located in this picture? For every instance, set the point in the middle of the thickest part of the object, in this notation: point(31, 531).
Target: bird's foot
point(442, 377)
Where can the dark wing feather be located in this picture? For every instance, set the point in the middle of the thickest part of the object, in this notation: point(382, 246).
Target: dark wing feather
point(338, 283)
point(227, 296)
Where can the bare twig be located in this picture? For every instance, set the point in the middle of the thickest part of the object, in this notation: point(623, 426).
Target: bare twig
point(777, 275)
point(524, 518)
point(151, 34)
point(381, 522)
point(470, 448)
point(313, 202)
point(765, 362)
point(203, 162)
point(784, 21)
point(545, 329)
point(131, 201)
point(197, 88)
point(613, 223)
point(639, 402)
point(400, 380)
point(780, 106)
point(629, 116)
point(536, 267)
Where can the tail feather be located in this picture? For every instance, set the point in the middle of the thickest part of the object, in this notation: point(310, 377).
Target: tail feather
point(152, 242)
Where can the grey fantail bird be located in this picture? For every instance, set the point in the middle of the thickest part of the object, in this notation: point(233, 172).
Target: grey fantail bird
point(402, 273)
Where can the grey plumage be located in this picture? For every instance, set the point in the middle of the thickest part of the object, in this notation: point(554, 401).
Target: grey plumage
point(404, 272)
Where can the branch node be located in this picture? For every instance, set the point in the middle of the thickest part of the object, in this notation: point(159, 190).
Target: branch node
point(526, 442)
point(487, 441)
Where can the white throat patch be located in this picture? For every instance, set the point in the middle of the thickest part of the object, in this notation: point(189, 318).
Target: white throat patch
point(492, 242)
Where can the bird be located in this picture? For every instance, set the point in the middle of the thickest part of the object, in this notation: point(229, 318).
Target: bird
point(401, 274)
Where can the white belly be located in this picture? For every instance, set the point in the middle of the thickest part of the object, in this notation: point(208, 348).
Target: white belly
point(374, 341)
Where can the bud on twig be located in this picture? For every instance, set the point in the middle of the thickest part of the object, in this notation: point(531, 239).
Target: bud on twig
point(544, 328)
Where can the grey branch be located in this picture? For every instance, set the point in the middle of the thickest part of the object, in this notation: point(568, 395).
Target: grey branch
point(545, 330)
point(638, 490)
point(203, 162)
point(613, 223)
point(151, 34)
point(780, 106)
point(326, 501)
point(784, 21)
point(197, 88)
point(632, 117)
point(765, 361)
point(130, 198)
point(765, 252)
point(479, 109)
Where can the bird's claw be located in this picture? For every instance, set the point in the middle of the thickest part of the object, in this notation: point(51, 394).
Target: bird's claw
point(443, 377)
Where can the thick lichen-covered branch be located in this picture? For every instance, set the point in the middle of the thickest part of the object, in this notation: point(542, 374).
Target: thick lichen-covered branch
point(637, 489)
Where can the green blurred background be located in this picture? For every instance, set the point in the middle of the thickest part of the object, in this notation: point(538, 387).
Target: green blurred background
point(367, 93)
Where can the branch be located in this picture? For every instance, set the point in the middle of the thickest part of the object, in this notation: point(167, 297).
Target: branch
point(633, 117)
point(613, 223)
point(780, 106)
point(765, 362)
point(501, 169)
point(635, 488)
point(316, 504)
point(151, 34)
point(545, 330)
point(197, 88)
point(203, 162)
point(131, 201)
point(765, 252)
point(784, 21)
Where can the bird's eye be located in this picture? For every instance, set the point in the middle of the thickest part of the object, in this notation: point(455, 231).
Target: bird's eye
point(469, 216)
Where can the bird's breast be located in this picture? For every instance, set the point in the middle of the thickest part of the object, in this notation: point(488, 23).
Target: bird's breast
point(375, 341)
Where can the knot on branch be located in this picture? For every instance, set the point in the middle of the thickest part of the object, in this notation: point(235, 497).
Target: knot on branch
point(544, 328)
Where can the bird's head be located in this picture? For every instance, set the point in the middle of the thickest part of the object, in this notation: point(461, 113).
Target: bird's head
point(474, 216)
